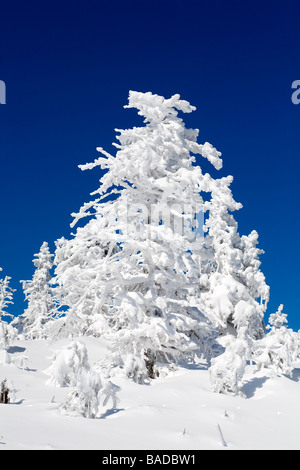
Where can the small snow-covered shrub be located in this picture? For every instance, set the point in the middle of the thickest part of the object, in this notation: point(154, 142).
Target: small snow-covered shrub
point(91, 396)
point(7, 335)
point(4, 357)
point(7, 392)
point(4, 393)
point(68, 364)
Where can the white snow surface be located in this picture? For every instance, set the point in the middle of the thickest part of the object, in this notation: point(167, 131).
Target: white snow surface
point(175, 412)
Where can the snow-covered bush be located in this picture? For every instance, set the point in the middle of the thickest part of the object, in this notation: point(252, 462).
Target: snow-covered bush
point(68, 364)
point(91, 393)
point(7, 391)
point(91, 397)
point(227, 370)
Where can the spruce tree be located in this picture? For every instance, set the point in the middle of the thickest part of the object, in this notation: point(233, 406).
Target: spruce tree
point(132, 272)
point(32, 324)
point(7, 332)
point(6, 296)
point(237, 294)
point(141, 274)
point(279, 349)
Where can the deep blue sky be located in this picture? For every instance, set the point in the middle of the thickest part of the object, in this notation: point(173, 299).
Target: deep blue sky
point(68, 67)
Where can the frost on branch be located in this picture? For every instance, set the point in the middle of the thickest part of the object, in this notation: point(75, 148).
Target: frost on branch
point(156, 108)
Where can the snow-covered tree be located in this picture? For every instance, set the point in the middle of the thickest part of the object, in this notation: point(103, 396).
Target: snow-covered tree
point(133, 270)
point(141, 274)
point(279, 349)
point(6, 296)
point(32, 324)
point(251, 275)
point(236, 294)
point(7, 332)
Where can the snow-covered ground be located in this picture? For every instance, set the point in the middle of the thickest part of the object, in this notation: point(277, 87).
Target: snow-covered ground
point(178, 412)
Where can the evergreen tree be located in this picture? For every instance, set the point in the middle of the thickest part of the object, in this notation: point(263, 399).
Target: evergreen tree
point(133, 270)
point(32, 324)
point(237, 294)
point(7, 332)
point(6, 296)
point(141, 274)
point(279, 349)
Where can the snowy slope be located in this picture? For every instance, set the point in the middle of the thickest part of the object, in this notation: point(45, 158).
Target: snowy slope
point(177, 412)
